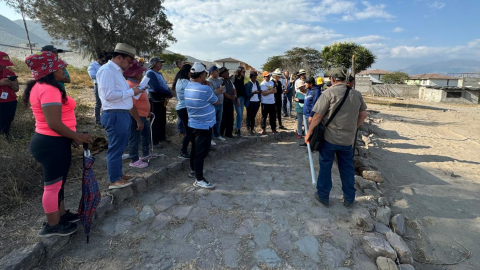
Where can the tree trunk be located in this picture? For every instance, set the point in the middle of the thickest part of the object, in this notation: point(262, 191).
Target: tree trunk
point(26, 28)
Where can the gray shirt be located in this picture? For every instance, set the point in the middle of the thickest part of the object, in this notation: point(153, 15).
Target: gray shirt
point(215, 84)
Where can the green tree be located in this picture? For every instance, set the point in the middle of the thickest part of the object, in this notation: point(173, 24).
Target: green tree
point(92, 26)
point(273, 62)
point(171, 58)
point(340, 55)
point(396, 77)
point(306, 58)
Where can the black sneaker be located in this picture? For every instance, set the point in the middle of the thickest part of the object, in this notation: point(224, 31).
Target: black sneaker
point(61, 229)
point(191, 174)
point(325, 203)
point(303, 145)
point(347, 204)
point(282, 127)
point(70, 217)
point(184, 156)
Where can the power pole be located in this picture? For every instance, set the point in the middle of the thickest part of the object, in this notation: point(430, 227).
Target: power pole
point(22, 11)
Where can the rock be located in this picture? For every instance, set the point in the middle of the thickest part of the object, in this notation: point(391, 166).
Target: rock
point(264, 138)
point(308, 246)
point(245, 229)
point(284, 134)
point(277, 136)
point(386, 264)
point(268, 257)
point(376, 246)
point(55, 244)
point(161, 221)
point(174, 166)
point(333, 256)
point(139, 186)
point(147, 212)
point(404, 254)
point(398, 224)
point(362, 261)
point(364, 184)
point(104, 207)
point(406, 267)
point(230, 257)
point(121, 194)
point(271, 137)
point(373, 175)
point(164, 203)
point(261, 234)
point(181, 211)
point(23, 258)
point(383, 215)
point(181, 232)
point(362, 219)
point(283, 241)
point(127, 212)
point(381, 228)
point(382, 201)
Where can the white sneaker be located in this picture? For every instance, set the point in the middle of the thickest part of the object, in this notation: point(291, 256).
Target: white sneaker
point(125, 156)
point(213, 143)
point(220, 138)
point(204, 184)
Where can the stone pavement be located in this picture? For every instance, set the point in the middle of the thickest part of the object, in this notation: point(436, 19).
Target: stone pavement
point(262, 215)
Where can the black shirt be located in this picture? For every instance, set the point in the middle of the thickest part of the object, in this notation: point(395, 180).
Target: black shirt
point(278, 94)
point(240, 86)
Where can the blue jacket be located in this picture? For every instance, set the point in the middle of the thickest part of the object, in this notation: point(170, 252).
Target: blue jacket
point(158, 86)
point(248, 91)
point(310, 99)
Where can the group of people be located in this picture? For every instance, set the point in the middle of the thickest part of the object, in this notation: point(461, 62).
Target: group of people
point(206, 102)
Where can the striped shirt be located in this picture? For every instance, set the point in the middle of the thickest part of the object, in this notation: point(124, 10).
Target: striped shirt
point(199, 100)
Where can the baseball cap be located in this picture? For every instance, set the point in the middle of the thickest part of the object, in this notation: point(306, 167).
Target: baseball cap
point(197, 67)
point(338, 73)
point(265, 73)
point(153, 61)
point(5, 60)
point(310, 80)
point(212, 68)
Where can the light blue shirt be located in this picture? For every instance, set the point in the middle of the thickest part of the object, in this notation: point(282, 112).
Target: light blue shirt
point(92, 70)
point(180, 88)
point(199, 100)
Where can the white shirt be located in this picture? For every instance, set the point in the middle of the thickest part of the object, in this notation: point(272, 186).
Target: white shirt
point(254, 98)
point(268, 99)
point(113, 89)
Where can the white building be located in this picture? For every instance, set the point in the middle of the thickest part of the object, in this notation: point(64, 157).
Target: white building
point(229, 63)
point(375, 75)
point(432, 79)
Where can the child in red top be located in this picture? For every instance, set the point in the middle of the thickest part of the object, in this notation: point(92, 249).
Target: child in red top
point(55, 130)
point(140, 111)
point(8, 98)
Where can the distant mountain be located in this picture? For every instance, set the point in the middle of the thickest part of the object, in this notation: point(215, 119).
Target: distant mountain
point(192, 59)
point(444, 67)
point(13, 34)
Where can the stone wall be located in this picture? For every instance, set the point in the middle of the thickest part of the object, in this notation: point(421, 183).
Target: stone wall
point(365, 86)
point(72, 58)
point(441, 95)
point(473, 82)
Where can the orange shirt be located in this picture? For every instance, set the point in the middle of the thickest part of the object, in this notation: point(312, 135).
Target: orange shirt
point(142, 104)
point(44, 95)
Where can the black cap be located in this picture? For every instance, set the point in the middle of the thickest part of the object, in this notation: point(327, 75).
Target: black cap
point(310, 80)
point(222, 70)
point(51, 48)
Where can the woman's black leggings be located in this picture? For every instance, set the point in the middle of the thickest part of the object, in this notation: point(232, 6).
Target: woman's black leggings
point(55, 155)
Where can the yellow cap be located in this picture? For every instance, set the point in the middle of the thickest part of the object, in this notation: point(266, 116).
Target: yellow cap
point(319, 80)
point(141, 60)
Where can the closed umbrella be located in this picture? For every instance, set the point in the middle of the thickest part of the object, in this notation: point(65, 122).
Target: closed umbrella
point(90, 193)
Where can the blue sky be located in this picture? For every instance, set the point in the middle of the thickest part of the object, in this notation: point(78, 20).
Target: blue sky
point(400, 33)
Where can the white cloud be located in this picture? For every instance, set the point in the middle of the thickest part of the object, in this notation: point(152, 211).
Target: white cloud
point(416, 38)
point(437, 5)
point(370, 11)
point(471, 49)
point(365, 39)
point(398, 29)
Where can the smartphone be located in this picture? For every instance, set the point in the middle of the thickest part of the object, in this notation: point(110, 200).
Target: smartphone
point(12, 78)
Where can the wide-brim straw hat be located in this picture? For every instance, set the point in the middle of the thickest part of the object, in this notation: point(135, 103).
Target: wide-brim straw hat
point(125, 49)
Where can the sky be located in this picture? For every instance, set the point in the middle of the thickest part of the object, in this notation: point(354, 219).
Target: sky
point(399, 32)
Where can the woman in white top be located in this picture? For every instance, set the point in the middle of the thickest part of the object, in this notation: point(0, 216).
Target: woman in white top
point(183, 80)
point(268, 103)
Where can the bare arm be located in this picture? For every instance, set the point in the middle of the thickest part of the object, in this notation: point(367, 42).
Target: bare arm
point(361, 117)
point(134, 114)
point(317, 118)
point(53, 116)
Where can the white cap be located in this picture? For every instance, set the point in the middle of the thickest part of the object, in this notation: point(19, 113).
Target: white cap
point(197, 68)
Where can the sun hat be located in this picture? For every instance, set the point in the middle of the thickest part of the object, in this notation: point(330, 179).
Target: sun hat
point(197, 67)
point(134, 69)
point(125, 49)
point(319, 81)
point(277, 72)
point(302, 71)
point(153, 61)
point(44, 63)
point(5, 60)
point(265, 74)
point(51, 48)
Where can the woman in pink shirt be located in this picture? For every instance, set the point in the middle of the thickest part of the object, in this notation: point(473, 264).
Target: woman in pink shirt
point(55, 129)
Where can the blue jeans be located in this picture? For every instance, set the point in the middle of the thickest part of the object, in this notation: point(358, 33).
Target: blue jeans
point(218, 116)
point(134, 140)
point(117, 126)
point(345, 166)
point(299, 123)
point(180, 126)
point(239, 112)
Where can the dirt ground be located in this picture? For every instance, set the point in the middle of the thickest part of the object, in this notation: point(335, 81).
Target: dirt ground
point(429, 154)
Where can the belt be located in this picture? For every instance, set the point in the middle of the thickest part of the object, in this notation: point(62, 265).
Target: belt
point(116, 111)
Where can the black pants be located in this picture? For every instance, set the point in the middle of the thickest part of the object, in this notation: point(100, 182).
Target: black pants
point(278, 110)
point(7, 113)
point(226, 128)
point(201, 140)
point(160, 124)
point(252, 111)
point(183, 115)
point(269, 110)
point(287, 102)
point(55, 155)
point(98, 105)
